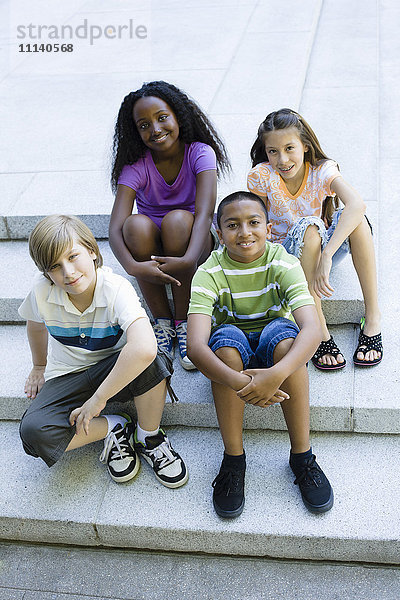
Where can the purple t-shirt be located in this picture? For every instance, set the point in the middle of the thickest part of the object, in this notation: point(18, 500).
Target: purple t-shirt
point(154, 197)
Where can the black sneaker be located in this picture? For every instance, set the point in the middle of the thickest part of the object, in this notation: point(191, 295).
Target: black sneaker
point(314, 486)
point(168, 466)
point(228, 494)
point(119, 456)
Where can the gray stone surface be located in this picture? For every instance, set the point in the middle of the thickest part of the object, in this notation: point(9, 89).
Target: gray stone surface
point(76, 503)
point(129, 574)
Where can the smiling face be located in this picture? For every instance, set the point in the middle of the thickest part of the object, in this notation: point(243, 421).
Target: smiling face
point(244, 230)
point(75, 273)
point(156, 123)
point(285, 153)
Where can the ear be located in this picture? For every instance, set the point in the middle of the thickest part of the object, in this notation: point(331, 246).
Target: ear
point(221, 239)
point(306, 148)
point(269, 227)
point(93, 255)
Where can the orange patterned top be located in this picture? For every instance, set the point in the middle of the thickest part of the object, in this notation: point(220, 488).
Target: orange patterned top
point(284, 209)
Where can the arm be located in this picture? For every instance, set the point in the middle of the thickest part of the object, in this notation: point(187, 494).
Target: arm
point(206, 193)
point(37, 338)
point(138, 353)
point(265, 383)
point(351, 217)
point(122, 209)
point(198, 334)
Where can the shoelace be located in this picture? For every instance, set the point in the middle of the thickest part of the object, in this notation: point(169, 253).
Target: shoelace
point(163, 454)
point(162, 332)
point(311, 473)
point(118, 449)
point(226, 482)
point(181, 334)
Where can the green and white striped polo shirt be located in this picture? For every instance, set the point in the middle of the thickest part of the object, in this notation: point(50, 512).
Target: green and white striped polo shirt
point(249, 295)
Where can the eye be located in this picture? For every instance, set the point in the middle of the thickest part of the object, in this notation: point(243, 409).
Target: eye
point(270, 151)
point(163, 117)
point(73, 256)
point(254, 222)
point(143, 126)
point(290, 148)
point(231, 225)
point(52, 268)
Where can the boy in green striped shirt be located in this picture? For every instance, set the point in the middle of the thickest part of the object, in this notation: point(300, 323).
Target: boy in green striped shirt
point(252, 327)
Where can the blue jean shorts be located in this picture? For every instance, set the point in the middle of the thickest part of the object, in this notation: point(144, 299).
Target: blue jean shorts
point(294, 241)
point(256, 348)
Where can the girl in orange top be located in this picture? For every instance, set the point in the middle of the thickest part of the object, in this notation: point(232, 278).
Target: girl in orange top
point(298, 182)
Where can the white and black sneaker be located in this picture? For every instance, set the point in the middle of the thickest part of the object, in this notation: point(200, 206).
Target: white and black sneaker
point(168, 466)
point(119, 455)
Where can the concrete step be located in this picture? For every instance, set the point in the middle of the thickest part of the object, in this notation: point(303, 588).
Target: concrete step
point(121, 574)
point(348, 400)
point(76, 503)
point(345, 306)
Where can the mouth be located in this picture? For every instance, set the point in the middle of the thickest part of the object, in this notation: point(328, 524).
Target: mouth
point(286, 169)
point(74, 281)
point(160, 138)
point(245, 244)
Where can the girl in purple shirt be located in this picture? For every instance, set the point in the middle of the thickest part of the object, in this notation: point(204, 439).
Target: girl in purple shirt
point(166, 157)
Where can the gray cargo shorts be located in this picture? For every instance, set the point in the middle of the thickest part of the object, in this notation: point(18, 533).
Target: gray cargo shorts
point(45, 429)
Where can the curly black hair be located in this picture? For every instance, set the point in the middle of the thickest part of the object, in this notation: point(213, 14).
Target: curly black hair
point(282, 119)
point(194, 126)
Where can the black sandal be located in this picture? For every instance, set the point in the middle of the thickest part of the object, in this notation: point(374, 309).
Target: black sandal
point(328, 347)
point(365, 344)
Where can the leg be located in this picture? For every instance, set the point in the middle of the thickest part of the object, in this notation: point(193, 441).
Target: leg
point(229, 407)
point(150, 406)
point(315, 488)
point(363, 255)
point(296, 410)
point(176, 229)
point(143, 239)
point(309, 259)
point(97, 431)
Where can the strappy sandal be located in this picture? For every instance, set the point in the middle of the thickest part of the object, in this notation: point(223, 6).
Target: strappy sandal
point(328, 347)
point(365, 344)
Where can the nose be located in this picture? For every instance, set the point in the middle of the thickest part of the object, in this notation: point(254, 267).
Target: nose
point(156, 128)
point(244, 230)
point(68, 270)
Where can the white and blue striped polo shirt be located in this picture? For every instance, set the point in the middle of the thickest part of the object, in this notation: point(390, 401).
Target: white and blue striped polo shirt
point(79, 340)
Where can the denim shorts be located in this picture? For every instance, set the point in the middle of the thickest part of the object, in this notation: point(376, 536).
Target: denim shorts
point(256, 348)
point(294, 241)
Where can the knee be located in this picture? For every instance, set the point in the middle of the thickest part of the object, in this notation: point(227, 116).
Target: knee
point(176, 227)
point(231, 357)
point(31, 432)
point(282, 348)
point(312, 237)
point(139, 234)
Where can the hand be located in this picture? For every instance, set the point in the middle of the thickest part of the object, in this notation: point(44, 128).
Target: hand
point(322, 286)
point(263, 390)
point(81, 417)
point(174, 265)
point(150, 271)
point(34, 382)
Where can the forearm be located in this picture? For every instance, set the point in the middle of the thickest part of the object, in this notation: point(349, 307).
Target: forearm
point(37, 338)
point(198, 239)
point(214, 368)
point(302, 349)
point(349, 220)
point(121, 251)
point(133, 360)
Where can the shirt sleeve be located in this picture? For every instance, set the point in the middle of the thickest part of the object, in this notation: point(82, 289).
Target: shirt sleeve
point(29, 309)
point(133, 176)
point(257, 180)
point(202, 158)
point(204, 294)
point(127, 306)
point(329, 170)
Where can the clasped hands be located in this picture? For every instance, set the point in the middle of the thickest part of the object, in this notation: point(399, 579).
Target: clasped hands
point(263, 388)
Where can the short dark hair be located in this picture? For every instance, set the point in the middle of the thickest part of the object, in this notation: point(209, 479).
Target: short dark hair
point(235, 197)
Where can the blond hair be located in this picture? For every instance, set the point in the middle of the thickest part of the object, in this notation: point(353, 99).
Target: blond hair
point(54, 235)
